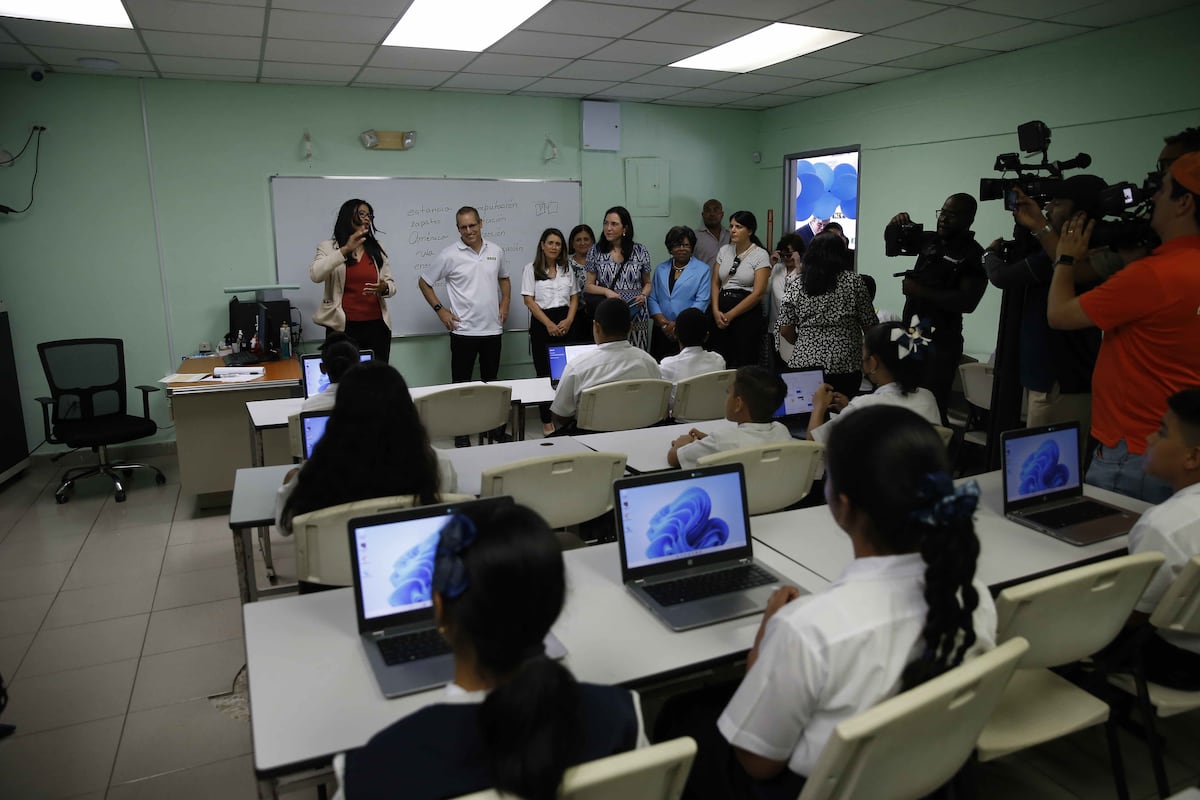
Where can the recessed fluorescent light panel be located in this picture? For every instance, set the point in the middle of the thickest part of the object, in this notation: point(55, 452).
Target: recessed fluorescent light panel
point(103, 13)
point(764, 47)
point(470, 25)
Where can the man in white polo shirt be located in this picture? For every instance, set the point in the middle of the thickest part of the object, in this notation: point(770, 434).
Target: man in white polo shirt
point(614, 360)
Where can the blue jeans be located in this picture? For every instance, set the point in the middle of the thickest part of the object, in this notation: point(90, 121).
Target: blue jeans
point(1118, 470)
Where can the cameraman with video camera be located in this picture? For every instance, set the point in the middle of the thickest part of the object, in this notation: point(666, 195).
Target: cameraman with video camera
point(947, 281)
point(1150, 315)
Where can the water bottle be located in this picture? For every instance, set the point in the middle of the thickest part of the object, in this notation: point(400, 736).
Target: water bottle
point(285, 341)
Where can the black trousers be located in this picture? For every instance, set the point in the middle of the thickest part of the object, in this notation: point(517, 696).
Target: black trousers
point(740, 342)
point(371, 334)
point(540, 339)
point(465, 349)
point(940, 370)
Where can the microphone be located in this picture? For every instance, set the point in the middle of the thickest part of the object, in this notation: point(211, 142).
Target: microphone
point(1080, 161)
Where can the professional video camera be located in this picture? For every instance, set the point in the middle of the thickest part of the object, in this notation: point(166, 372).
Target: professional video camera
point(903, 239)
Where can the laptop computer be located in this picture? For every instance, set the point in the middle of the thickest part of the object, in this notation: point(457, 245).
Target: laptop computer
point(312, 428)
point(391, 559)
point(1043, 487)
point(685, 547)
point(561, 355)
point(316, 381)
point(797, 405)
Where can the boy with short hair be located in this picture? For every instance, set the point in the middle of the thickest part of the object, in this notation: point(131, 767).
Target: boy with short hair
point(1172, 528)
point(691, 329)
point(754, 396)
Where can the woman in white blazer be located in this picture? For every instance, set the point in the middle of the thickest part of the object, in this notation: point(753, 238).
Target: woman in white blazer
point(354, 268)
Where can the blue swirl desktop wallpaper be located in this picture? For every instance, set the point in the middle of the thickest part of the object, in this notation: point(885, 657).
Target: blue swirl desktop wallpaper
point(1041, 464)
point(396, 565)
point(686, 525)
point(412, 574)
point(679, 519)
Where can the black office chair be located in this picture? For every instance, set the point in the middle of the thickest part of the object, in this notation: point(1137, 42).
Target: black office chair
point(86, 407)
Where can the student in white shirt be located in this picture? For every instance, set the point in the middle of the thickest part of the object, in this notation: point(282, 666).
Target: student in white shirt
point(338, 354)
point(691, 329)
point(894, 360)
point(614, 360)
point(1172, 528)
point(754, 395)
point(905, 610)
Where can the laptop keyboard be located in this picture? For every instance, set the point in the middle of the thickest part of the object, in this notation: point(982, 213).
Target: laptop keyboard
point(413, 646)
point(709, 584)
point(1073, 514)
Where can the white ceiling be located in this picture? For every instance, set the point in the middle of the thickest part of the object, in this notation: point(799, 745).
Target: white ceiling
point(599, 49)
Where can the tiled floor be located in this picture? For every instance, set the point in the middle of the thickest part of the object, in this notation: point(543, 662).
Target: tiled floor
point(119, 621)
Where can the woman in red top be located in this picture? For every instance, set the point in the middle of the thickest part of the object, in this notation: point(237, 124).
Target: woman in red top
point(357, 280)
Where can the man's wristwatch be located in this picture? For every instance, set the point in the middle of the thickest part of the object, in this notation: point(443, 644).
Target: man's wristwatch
point(1065, 259)
point(437, 308)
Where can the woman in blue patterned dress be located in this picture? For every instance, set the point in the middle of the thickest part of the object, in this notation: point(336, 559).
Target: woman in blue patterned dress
point(617, 266)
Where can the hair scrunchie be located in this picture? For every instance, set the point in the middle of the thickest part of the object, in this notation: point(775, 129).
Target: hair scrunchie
point(943, 503)
point(449, 571)
point(913, 340)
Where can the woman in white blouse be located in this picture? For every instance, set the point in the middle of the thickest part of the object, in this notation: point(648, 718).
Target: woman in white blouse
point(739, 284)
point(551, 294)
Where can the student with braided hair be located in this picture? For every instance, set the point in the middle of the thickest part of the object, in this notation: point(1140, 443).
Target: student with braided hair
point(906, 609)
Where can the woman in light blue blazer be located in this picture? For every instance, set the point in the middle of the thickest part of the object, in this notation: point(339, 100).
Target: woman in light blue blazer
point(680, 282)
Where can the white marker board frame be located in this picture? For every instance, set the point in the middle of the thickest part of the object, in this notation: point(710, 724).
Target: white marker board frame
point(416, 221)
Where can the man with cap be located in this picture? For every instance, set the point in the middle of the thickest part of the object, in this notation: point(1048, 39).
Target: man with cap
point(1055, 366)
point(1150, 315)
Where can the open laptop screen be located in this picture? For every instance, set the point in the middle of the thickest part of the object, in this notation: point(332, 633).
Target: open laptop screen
point(683, 515)
point(1041, 461)
point(395, 565)
point(562, 354)
point(312, 428)
point(316, 381)
point(801, 386)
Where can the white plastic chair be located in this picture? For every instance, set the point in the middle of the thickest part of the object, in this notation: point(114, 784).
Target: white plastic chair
point(947, 435)
point(565, 489)
point(777, 474)
point(1065, 617)
point(1179, 612)
point(910, 744)
point(464, 410)
point(977, 389)
point(623, 405)
point(702, 397)
point(651, 773)
point(322, 546)
point(295, 436)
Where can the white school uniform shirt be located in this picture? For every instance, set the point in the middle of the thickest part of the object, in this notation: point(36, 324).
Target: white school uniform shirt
point(828, 656)
point(921, 401)
point(611, 361)
point(1172, 528)
point(551, 293)
point(690, 362)
point(321, 401)
point(746, 434)
point(472, 286)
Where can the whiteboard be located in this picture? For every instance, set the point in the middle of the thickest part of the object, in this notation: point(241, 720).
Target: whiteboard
point(415, 217)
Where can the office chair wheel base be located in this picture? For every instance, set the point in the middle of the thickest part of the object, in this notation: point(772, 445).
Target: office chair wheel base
point(160, 479)
point(120, 497)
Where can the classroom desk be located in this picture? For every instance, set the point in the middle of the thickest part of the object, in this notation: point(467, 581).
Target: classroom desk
point(297, 643)
point(208, 445)
point(253, 507)
point(647, 447)
point(470, 462)
point(1009, 553)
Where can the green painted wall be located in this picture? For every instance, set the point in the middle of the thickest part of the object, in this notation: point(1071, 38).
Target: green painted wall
point(1113, 93)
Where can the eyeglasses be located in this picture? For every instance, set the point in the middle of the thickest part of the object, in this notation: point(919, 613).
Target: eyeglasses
point(677, 245)
point(733, 267)
point(945, 213)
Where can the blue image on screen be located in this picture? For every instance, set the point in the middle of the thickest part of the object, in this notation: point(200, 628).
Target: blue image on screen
point(1041, 464)
point(558, 361)
point(412, 574)
point(685, 525)
point(1042, 470)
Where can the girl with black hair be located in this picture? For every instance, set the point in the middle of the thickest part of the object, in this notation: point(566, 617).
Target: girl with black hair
point(513, 718)
point(619, 267)
point(354, 268)
point(893, 359)
point(374, 445)
point(825, 312)
point(907, 608)
point(738, 287)
point(550, 293)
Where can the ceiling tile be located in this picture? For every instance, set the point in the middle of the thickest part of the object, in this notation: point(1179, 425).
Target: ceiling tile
point(257, 3)
point(207, 66)
point(537, 43)
point(420, 78)
point(763, 101)
point(863, 16)
point(78, 37)
point(1033, 9)
point(312, 72)
point(592, 19)
point(663, 4)
point(4, 37)
point(771, 10)
point(874, 49)
point(710, 96)
point(119, 73)
point(174, 15)
point(14, 54)
point(534, 66)
point(187, 76)
point(603, 70)
point(940, 57)
point(1116, 12)
point(639, 91)
point(681, 27)
point(808, 68)
point(820, 88)
point(491, 83)
point(297, 51)
point(1026, 36)
point(951, 26)
point(363, 8)
point(678, 76)
point(875, 74)
point(468, 90)
point(646, 52)
point(64, 57)
point(567, 86)
point(171, 43)
point(754, 83)
point(327, 27)
point(420, 58)
point(301, 82)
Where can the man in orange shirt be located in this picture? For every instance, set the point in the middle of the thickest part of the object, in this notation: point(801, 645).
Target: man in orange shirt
point(1150, 315)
